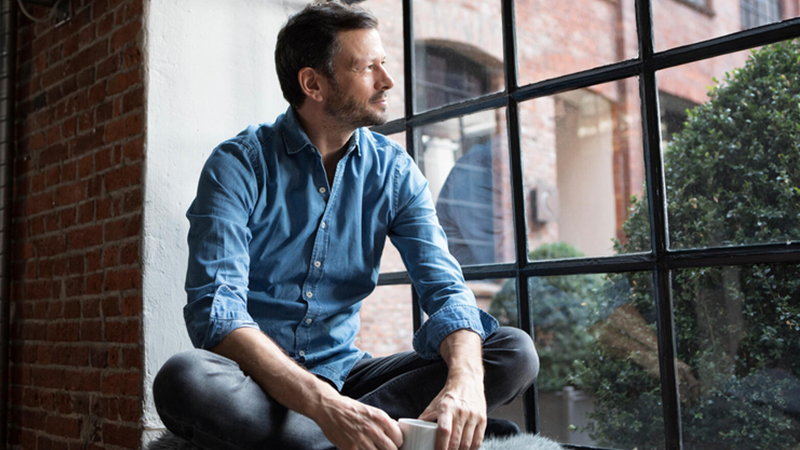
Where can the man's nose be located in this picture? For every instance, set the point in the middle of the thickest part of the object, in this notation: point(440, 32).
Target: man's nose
point(385, 82)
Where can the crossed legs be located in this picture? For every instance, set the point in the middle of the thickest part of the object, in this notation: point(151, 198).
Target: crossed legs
point(205, 398)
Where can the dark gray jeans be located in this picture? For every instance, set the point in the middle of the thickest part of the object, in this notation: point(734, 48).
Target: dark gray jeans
point(206, 399)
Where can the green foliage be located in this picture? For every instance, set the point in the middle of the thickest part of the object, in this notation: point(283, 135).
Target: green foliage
point(561, 307)
point(733, 178)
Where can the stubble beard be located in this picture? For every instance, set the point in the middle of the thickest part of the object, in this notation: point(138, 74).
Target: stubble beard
point(348, 111)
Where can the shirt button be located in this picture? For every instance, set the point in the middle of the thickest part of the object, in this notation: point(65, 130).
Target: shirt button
point(317, 263)
point(301, 353)
point(322, 190)
point(322, 225)
point(309, 294)
point(308, 321)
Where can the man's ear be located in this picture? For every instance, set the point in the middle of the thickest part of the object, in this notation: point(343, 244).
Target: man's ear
point(313, 84)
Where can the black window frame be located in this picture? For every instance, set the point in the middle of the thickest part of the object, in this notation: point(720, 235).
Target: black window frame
point(660, 260)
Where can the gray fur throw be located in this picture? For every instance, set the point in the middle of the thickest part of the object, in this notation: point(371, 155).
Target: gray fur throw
point(524, 441)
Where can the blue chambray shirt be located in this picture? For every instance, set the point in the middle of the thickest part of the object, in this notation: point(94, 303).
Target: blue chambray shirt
point(272, 246)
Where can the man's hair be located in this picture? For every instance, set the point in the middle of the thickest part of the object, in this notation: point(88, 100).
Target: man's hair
point(310, 39)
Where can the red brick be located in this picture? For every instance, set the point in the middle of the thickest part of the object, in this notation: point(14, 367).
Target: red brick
point(123, 177)
point(89, 56)
point(123, 228)
point(85, 166)
point(124, 384)
point(123, 332)
point(134, 150)
point(133, 100)
point(94, 284)
point(108, 67)
point(50, 246)
point(110, 256)
point(132, 57)
point(86, 237)
point(91, 331)
point(125, 35)
point(119, 280)
point(90, 307)
point(63, 426)
point(69, 194)
point(69, 171)
point(98, 357)
point(122, 81)
point(83, 380)
point(111, 307)
point(97, 93)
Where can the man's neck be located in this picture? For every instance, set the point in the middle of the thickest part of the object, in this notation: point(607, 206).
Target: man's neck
point(329, 137)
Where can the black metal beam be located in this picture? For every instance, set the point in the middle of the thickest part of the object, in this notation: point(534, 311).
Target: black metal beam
point(656, 195)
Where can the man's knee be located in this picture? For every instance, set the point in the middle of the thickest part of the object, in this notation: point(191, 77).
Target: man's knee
point(514, 356)
point(180, 378)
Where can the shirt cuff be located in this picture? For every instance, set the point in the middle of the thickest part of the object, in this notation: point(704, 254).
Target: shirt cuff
point(209, 320)
point(452, 318)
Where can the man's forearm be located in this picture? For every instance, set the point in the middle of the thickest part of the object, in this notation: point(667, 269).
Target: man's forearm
point(462, 351)
point(277, 374)
point(347, 423)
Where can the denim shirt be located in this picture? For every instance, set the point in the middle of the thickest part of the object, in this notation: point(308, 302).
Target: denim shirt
point(273, 247)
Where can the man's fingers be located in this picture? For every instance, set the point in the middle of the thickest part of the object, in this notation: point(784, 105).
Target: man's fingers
point(477, 438)
point(467, 434)
point(392, 431)
point(444, 432)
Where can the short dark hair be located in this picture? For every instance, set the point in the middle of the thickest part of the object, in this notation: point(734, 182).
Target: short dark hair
point(310, 39)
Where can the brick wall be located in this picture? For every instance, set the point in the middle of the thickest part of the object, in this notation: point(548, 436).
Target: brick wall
point(76, 353)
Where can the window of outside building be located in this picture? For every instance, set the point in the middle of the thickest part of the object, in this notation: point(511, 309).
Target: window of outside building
point(759, 12)
point(666, 326)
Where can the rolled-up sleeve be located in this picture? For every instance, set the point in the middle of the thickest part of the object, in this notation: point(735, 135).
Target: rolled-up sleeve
point(436, 275)
point(219, 260)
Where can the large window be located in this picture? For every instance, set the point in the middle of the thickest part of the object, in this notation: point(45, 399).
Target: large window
point(622, 181)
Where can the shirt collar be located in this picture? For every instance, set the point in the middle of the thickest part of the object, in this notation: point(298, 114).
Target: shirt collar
point(296, 138)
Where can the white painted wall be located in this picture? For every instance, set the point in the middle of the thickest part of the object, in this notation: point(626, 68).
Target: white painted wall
point(210, 73)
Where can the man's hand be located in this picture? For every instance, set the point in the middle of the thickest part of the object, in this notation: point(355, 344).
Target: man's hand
point(348, 424)
point(352, 425)
point(460, 408)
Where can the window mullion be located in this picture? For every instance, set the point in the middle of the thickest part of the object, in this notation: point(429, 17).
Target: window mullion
point(656, 195)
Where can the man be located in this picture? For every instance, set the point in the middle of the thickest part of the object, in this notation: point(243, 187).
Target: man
point(286, 236)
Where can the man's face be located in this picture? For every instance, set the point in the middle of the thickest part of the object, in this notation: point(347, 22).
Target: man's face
point(357, 95)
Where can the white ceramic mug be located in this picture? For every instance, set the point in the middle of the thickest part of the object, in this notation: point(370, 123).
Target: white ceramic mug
point(418, 434)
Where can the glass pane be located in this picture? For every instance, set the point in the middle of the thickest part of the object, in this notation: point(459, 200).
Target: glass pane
point(584, 173)
point(738, 346)
point(732, 162)
point(499, 298)
point(556, 37)
point(599, 379)
point(391, 260)
point(466, 163)
point(387, 324)
point(682, 22)
point(390, 18)
point(459, 51)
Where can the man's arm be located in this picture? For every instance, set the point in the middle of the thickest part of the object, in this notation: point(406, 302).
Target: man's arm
point(460, 408)
point(217, 316)
point(348, 424)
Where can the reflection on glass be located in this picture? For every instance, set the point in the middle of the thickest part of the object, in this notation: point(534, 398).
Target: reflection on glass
point(732, 166)
point(683, 22)
point(556, 37)
point(466, 163)
point(738, 345)
point(583, 169)
point(459, 51)
point(390, 19)
point(386, 305)
point(599, 371)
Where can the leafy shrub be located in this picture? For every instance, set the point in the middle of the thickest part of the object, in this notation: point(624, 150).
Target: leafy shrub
point(733, 178)
point(561, 307)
